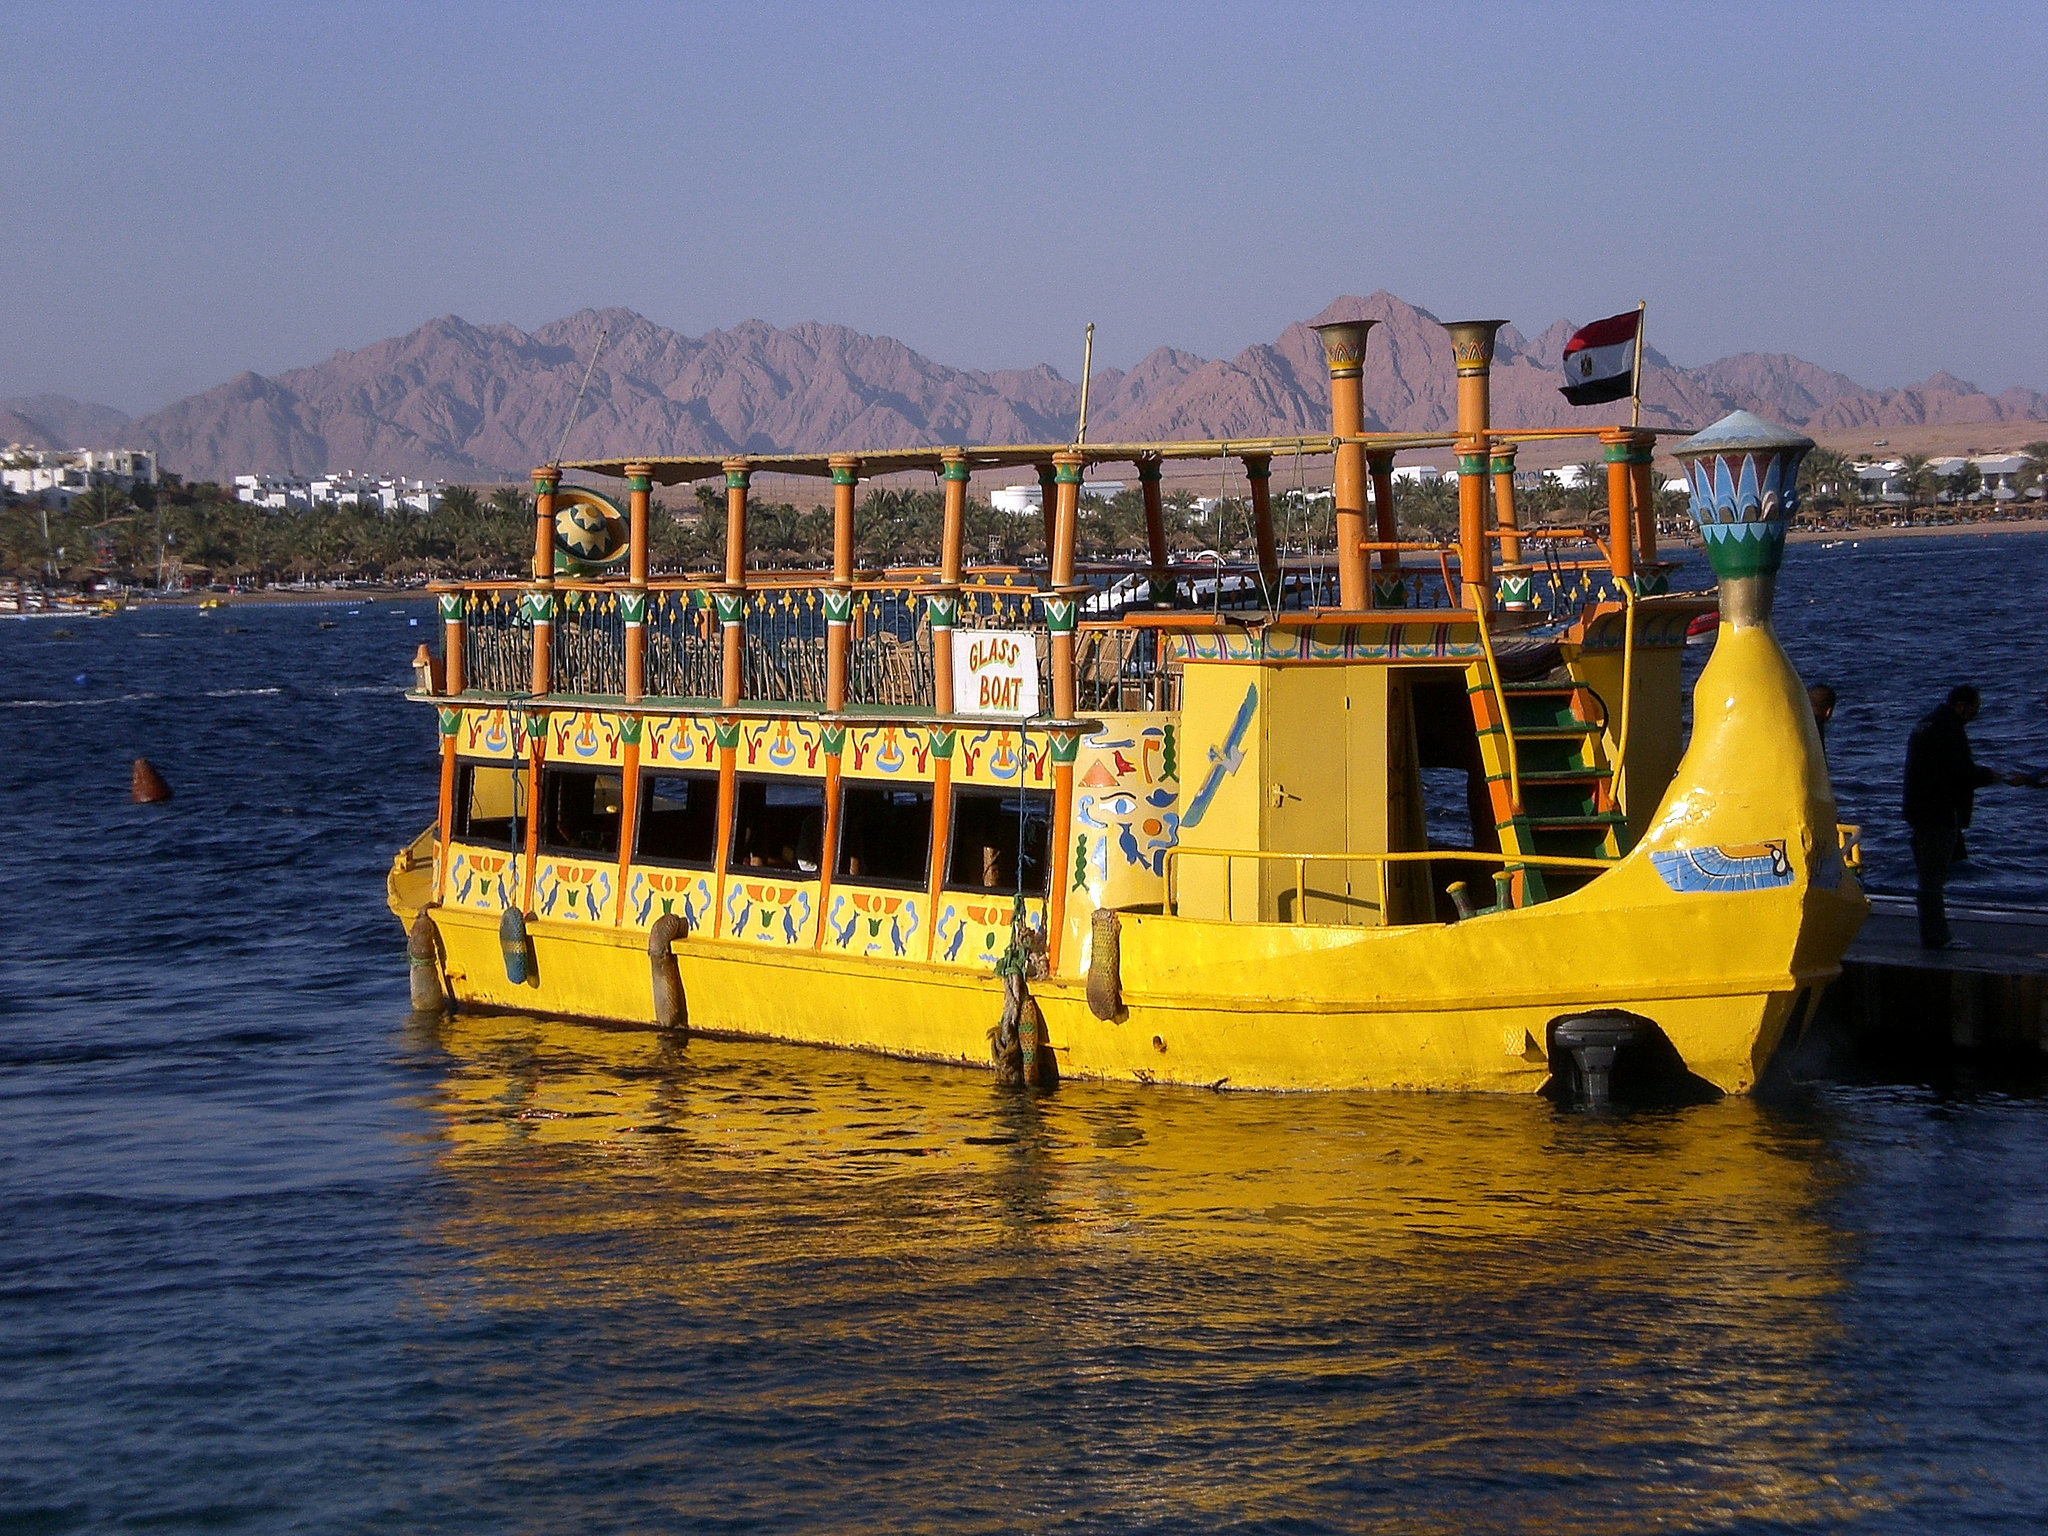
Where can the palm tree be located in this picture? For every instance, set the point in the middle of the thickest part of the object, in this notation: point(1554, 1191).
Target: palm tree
point(1429, 507)
point(1588, 492)
point(2034, 472)
point(1919, 477)
point(101, 505)
point(1826, 477)
point(510, 500)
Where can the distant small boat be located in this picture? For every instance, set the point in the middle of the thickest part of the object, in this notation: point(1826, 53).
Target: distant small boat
point(209, 604)
point(1702, 628)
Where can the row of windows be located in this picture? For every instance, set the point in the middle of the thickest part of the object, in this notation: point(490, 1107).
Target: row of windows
point(778, 825)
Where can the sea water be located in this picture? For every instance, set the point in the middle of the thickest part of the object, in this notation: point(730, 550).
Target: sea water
point(275, 1257)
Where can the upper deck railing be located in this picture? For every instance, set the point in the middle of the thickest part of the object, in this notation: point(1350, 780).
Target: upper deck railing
point(874, 642)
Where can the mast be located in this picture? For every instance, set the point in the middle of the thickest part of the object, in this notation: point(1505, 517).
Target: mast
point(1635, 382)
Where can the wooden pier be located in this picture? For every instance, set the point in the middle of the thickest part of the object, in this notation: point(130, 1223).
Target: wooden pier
point(1900, 1011)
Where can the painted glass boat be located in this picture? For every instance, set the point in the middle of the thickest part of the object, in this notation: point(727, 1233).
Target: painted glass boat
point(1161, 821)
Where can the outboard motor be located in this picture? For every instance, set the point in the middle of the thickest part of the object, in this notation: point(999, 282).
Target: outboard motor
point(1609, 1055)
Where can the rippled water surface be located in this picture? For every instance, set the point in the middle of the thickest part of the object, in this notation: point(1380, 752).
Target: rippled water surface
point(274, 1257)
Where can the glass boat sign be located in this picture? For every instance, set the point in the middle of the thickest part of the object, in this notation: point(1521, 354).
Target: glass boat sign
point(1158, 821)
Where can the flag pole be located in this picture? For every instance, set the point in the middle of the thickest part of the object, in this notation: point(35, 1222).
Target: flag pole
point(1635, 383)
point(1087, 364)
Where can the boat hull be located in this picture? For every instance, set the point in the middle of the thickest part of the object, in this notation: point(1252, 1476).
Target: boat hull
point(1721, 928)
point(1275, 1008)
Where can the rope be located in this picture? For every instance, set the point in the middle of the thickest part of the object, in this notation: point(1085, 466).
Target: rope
point(577, 409)
point(1266, 598)
point(1628, 663)
point(1222, 483)
point(1307, 525)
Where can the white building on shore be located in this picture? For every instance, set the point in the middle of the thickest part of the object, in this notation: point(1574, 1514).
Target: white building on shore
point(1887, 482)
point(1021, 500)
point(55, 475)
point(387, 493)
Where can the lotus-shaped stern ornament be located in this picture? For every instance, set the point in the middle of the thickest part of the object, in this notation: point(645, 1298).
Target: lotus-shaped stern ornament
point(1743, 475)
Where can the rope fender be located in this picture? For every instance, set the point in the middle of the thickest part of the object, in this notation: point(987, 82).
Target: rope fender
point(514, 946)
point(1023, 1058)
point(423, 960)
point(1105, 965)
point(671, 1007)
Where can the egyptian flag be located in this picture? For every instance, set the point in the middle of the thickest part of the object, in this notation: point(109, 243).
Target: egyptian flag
point(1600, 359)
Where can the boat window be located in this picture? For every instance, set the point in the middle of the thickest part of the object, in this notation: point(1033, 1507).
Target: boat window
point(580, 809)
point(992, 830)
point(678, 819)
point(490, 805)
point(885, 834)
point(778, 824)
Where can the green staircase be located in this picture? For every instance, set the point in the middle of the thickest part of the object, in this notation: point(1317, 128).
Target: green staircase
point(1567, 806)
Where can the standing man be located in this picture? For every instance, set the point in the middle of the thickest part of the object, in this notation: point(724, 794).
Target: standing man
point(1942, 780)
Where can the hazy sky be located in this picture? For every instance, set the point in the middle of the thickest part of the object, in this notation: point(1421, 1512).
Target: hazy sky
point(191, 190)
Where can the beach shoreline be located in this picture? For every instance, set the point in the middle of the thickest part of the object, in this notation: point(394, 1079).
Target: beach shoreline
point(332, 596)
point(1980, 530)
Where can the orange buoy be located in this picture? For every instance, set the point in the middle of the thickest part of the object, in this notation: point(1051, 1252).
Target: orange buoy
point(148, 786)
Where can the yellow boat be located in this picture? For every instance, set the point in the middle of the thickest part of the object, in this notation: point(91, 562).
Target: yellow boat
point(1154, 822)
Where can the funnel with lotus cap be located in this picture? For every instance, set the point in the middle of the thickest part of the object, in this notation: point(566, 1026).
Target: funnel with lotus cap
point(1743, 473)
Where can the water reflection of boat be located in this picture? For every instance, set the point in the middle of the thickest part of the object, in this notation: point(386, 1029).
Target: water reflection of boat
point(849, 809)
point(1464, 1293)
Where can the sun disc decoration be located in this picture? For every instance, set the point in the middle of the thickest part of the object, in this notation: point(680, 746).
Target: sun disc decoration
point(591, 533)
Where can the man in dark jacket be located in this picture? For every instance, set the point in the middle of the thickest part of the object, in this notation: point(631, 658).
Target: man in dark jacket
point(1942, 780)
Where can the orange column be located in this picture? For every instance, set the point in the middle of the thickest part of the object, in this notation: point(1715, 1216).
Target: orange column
point(839, 596)
point(1615, 447)
point(944, 607)
point(540, 598)
point(1149, 469)
point(1517, 593)
point(1067, 467)
point(629, 814)
point(454, 639)
point(731, 600)
point(732, 596)
point(1387, 589)
point(1048, 506)
point(1061, 611)
point(1344, 351)
point(1503, 468)
point(536, 756)
point(633, 614)
point(1472, 347)
point(1642, 491)
point(943, 602)
point(1258, 469)
point(540, 601)
point(1474, 569)
point(838, 642)
point(451, 725)
point(633, 601)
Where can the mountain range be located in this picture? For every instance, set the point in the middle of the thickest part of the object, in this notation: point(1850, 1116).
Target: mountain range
point(459, 401)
